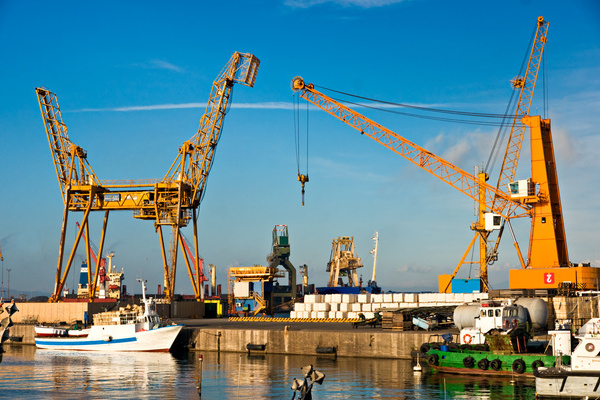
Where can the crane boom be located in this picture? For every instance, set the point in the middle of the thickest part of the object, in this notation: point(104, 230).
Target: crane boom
point(194, 160)
point(527, 87)
point(437, 166)
point(70, 161)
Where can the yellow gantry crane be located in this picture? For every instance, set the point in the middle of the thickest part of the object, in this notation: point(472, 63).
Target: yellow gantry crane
point(171, 201)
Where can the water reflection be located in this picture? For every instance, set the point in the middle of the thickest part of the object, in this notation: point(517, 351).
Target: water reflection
point(50, 374)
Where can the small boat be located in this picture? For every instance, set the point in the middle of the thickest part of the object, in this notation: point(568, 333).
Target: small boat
point(580, 379)
point(508, 353)
point(50, 331)
point(128, 329)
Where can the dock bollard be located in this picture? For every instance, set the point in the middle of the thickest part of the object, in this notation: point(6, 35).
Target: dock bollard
point(199, 381)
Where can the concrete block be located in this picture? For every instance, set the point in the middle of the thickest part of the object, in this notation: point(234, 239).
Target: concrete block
point(352, 315)
point(411, 297)
point(334, 307)
point(345, 307)
point(389, 305)
point(327, 298)
point(321, 307)
point(388, 298)
point(310, 298)
point(376, 298)
point(341, 315)
point(305, 314)
point(299, 307)
point(309, 307)
point(321, 314)
point(398, 297)
point(356, 307)
point(367, 307)
point(363, 298)
point(369, 315)
point(313, 314)
point(349, 298)
point(336, 298)
point(375, 306)
point(331, 314)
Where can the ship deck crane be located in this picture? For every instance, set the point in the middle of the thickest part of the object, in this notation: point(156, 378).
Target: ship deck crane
point(547, 248)
point(171, 201)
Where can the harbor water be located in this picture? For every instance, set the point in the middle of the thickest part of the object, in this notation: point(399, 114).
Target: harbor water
point(28, 373)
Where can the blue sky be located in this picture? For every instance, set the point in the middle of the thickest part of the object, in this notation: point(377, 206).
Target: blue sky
point(133, 78)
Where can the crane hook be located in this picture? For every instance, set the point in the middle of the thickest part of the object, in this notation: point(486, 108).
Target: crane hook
point(303, 179)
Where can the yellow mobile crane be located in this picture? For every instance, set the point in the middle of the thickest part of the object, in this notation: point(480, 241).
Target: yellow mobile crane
point(537, 197)
point(171, 201)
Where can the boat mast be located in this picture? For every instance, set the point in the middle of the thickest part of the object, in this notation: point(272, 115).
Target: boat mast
point(374, 252)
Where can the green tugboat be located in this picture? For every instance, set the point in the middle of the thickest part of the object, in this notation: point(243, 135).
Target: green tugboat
point(504, 353)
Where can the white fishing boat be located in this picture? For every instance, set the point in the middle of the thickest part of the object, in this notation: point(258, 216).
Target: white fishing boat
point(580, 379)
point(129, 329)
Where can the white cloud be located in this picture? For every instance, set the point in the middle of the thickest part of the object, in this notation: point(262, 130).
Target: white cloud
point(253, 106)
point(160, 64)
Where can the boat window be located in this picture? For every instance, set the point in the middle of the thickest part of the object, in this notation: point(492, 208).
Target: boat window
point(490, 313)
point(498, 312)
point(483, 313)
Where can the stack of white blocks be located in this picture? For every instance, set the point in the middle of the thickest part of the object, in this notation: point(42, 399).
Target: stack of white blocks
point(348, 306)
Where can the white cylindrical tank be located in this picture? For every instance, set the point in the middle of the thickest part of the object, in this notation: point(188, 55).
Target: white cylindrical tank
point(464, 316)
point(538, 311)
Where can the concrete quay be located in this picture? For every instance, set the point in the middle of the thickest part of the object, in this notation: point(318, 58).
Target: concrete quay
point(302, 338)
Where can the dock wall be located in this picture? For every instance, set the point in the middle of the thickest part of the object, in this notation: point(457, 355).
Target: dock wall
point(356, 343)
point(68, 312)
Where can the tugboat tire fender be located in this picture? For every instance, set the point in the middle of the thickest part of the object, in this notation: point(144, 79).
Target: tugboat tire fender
point(469, 362)
point(518, 366)
point(433, 359)
point(496, 364)
point(536, 364)
point(483, 364)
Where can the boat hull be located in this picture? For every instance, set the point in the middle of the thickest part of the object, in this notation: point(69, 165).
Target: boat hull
point(49, 331)
point(564, 384)
point(488, 362)
point(159, 339)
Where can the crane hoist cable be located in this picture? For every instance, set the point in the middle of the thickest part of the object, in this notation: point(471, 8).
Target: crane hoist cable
point(302, 178)
point(460, 121)
point(422, 108)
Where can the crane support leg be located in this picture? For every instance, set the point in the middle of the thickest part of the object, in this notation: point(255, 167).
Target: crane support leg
point(187, 263)
point(174, 248)
point(92, 289)
point(516, 244)
point(460, 263)
point(164, 258)
point(61, 248)
point(199, 284)
point(56, 296)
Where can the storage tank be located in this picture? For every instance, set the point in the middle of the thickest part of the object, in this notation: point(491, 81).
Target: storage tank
point(464, 316)
point(538, 311)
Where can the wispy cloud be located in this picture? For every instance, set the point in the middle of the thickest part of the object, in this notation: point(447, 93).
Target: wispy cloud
point(160, 64)
point(269, 105)
point(343, 3)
